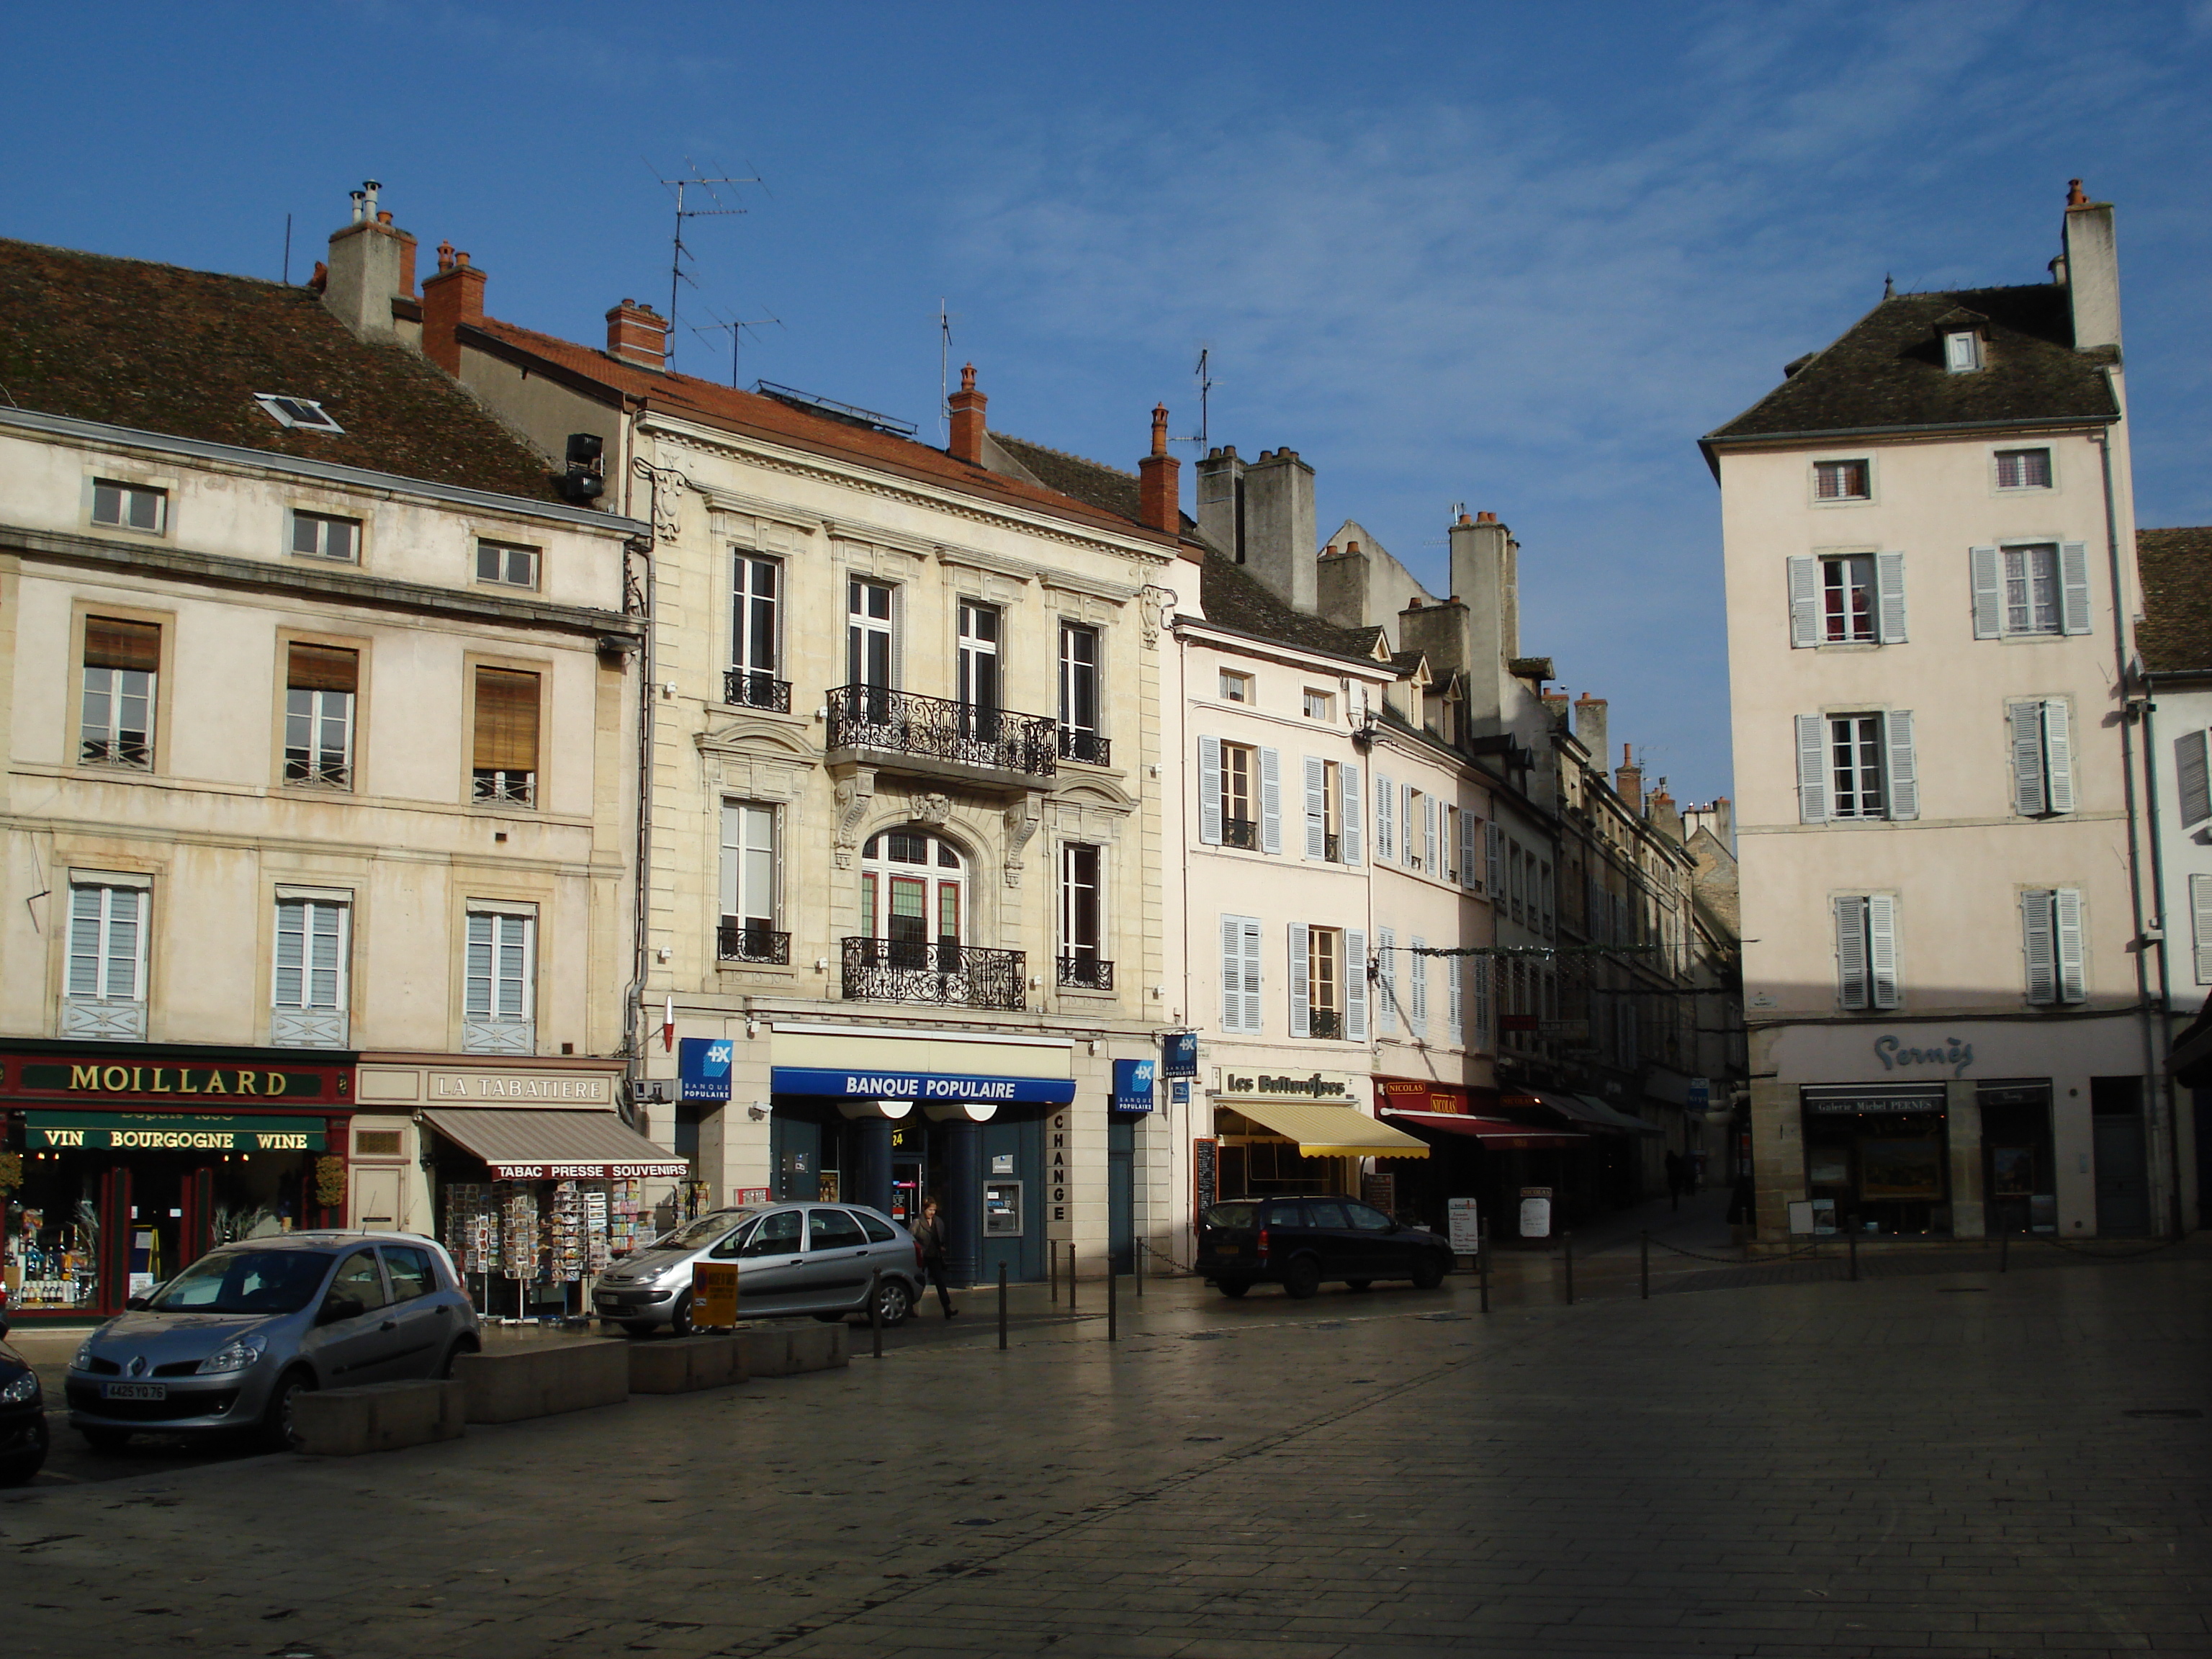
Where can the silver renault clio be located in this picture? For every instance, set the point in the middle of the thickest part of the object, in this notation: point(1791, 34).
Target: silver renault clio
point(234, 1339)
point(791, 1258)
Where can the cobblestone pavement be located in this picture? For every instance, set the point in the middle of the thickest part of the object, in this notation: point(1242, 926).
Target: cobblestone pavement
point(1964, 1463)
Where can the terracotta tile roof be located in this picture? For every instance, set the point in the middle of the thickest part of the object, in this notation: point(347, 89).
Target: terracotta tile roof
point(1103, 486)
point(1888, 369)
point(752, 414)
point(2176, 631)
point(161, 348)
point(1236, 599)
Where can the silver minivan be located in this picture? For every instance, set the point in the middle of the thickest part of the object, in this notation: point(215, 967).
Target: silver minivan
point(791, 1258)
point(234, 1339)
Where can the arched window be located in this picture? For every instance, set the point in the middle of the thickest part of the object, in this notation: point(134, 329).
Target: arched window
point(913, 896)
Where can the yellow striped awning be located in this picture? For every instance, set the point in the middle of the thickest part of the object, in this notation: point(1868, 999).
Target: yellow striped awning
point(1331, 1131)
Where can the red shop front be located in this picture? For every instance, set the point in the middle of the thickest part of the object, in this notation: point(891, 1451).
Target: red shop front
point(120, 1163)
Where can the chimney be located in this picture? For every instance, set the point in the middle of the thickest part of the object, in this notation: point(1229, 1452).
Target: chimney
point(1664, 818)
point(2091, 271)
point(1438, 629)
point(1279, 537)
point(1221, 501)
point(1482, 576)
point(1590, 727)
point(372, 264)
point(1340, 585)
point(638, 334)
point(1159, 486)
point(453, 296)
point(967, 407)
point(1555, 709)
point(1628, 781)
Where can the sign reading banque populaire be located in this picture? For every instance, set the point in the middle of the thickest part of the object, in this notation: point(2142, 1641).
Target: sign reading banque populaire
point(703, 1064)
point(923, 1087)
point(168, 1132)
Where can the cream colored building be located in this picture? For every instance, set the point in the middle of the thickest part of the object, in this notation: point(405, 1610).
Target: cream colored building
point(317, 703)
point(1932, 590)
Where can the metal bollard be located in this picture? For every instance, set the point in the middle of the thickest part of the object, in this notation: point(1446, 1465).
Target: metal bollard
point(1071, 1275)
point(1137, 1269)
point(1568, 1241)
point(1052, 1269)
point(1644, 1267)
point(1482, 1261)
point(1002, 1307)
point(1112, 1325)
point(876, 1312)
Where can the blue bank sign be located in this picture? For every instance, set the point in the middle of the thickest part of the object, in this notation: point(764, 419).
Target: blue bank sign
point(1133, 1086)
point(703, 1064)
point(923, 1087)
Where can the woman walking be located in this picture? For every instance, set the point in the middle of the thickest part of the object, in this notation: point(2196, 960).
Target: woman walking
point(929, 1237)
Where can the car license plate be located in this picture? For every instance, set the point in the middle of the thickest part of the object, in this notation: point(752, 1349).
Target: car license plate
point(1227, 1249)
point(134, 1391)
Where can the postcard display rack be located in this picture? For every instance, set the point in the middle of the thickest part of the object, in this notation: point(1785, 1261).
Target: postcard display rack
point(527, 1248)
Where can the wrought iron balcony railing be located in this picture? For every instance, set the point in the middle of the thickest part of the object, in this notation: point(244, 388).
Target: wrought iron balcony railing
point(1324, 1023)
point(952, 975)
point(1080, 971)
point(905, 723)
point(505, 787)
point(1332, 848)
point(1241, 832)
point(1077, 745)
point(755, 688)
point(747, 941)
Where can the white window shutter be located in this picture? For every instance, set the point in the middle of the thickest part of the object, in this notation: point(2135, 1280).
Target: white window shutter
point(1385, 797)
point(1386, 988)
point(2030, 799)
point(2039, 946)
point(1417, 966)
point(1255, 1020)
point(1493, 860)
point(1804, 606)
point(1485, 975)
point(2200, 913)
point(1812, 769)
point(1232, 972)
point(1351, 807)
point(1851, 953)
point(1209, 791)
point(1409, 846)
point(1882, 950)
point(1904, 769)
point(1544, 896)
point(1271, 800)
point(1889, 597)
point(2193, 773)
point(1355, 985)
point(2074, 586)
point(1316, 781)
point(1989, 593)
point(1467, 877)
point(1301, 988)
point(2058, 753)
point(2066, 926)
point(1432, 848)
point(1455, 1009)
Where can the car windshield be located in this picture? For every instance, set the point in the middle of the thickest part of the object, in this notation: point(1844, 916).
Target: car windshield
point(703, 1231)
point(1238, 1217)
point(246, 1282)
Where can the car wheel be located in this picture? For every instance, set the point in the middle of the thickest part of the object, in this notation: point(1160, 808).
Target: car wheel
point(465, 1345)
point(636, 1329)
point(1359, 1284)
point(1428, 1273)
point(277, 1432)
point(1302, 1277)
point(106, 1440)
point(679, 1316)
point(1234, 1289)
point(894, 1301)
point(20, 1468)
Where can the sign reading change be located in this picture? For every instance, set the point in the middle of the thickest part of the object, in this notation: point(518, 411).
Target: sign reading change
point(164, 1132)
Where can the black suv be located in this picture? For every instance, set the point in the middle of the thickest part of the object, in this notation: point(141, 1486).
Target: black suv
point(23, 1415)
point(1298, 1243)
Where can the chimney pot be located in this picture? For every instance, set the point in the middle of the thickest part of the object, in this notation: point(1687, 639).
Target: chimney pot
point(445, 255)
point(371, 264)
point(384, 216)
point(1159, 487)
point(637, 334)
point(1352, 544)
point(965, 407)
point(2074, 196)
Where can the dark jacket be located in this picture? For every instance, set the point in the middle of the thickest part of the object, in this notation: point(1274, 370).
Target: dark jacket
point(930, 1235)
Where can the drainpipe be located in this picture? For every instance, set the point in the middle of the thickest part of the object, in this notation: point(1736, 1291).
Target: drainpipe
point(2165, 949)
point(633, 1045)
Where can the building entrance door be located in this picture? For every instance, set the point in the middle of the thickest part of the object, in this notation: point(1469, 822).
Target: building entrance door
point(2123, 1174)
point(909, 1188)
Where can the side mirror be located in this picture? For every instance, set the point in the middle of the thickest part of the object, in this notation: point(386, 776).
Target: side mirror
point(341, 1307)
point(137, 1304)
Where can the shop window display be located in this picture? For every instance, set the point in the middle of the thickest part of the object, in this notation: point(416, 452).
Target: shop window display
point(521, 1245)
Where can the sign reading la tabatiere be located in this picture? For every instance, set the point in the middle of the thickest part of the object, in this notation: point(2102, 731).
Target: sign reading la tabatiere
point(107, 1079)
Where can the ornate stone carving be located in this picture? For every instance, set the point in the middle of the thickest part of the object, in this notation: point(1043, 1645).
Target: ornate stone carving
point(854, 795)
point(668, 487)
point(1021, 819)
point(933, 809)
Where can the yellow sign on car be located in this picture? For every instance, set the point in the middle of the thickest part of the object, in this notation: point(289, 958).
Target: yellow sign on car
point(714, 1295)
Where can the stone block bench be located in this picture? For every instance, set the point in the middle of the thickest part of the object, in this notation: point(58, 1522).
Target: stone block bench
point(686, 1364)
point(509, 1384)
point(783, 1350)
point(379, 1417)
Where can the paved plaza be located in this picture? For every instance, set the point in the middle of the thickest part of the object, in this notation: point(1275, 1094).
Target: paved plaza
point(1968, 1463)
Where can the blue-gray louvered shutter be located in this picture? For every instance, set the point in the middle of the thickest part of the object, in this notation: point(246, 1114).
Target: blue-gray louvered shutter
point(2193, 776)
point(2074, 586)
point(1882, 950)
point(1409, 846)
point(1317, 782)
point(1232, 972)
point(1386, 977)
point(1355, 985)
point(1271, 800)
point(1417, 966)
point(2066, 931)
point(1455, 1009)
point(2030, 799)
point(1353, 807)
point(1485, 977)
point(2058, 754)
point(1804, 607)
point(1904, 768)
point(2200, 915)
point(2038, 946)
point(1989, 593)
point(1209, 791)
point(1385, 798)
point(1431, 859)
point(1812, 769)
point(1468, 825)
point(1301, 987)
point(1851, 953)
point(1889, 597)
point(1255, 1020)
point(1493, 862)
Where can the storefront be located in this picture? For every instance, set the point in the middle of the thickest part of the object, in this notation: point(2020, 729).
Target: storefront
point(1281, 1134)
point(1473, 1154)
point(1877, 1158)
point(121, 1163)
point(2020, 1166)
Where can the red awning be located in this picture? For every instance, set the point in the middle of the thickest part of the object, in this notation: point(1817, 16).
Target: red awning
point(1495, 1133)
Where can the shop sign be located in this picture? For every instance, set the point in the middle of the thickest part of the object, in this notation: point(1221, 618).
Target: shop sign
point(1419, 1094)
point(97, 1077)
point(703, 1065)
point(1701, 1094)
point(1179, 1055)
point(919, 1086)
point(714, 1295)
point(540, 1089)
point(1536, 1213)
point(1841, 1098)
point(1952, 1054)
point(1205, 1174)
point(1465, 1226)
point(644, 1170)
point(1179, 1091)
point(148, 1132)
point(1132, 1087)
point(1262, 1086)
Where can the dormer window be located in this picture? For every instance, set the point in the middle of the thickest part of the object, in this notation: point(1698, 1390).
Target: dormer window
point(303, 414)
point(1962, 350)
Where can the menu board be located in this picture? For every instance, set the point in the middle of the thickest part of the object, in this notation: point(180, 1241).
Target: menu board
point(1205, 1174)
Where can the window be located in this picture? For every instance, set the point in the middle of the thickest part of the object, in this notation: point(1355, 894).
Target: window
point(1235, 687)
point(2023, 469)
point(319, 536)
point(319, 685)
point(107, 945)
point(377, 1143)
point(2051, 938)
point(1418, 807)
point(1386, 978)
point(308, 991)
point(1240, 1009)
point(868, 634)
point(833, 1229)
point(303, 414)
point(912, 893)
point(1840, 481)
point(1866, 952)
point(506, 759)
point(1240, 796)
point(978, 665)
point(1320, 706)
point(1317, 981)
point(410, 1271)
point(756, 633)
point(1417, 970)
point(1386, 817)
point(2037, 587)
point(2192, 777)
point(1848, 598)
point(2042, 757)
point(2200, 916)
point(507, 565)
point(1078, 695)
point(121, 661)
point(129, 506)
point(357, 1280)
point(747, 931)
point(1082, 918)
point(1329, 796)
point(1856, 766)
point(499, 996)
point(1962, 350)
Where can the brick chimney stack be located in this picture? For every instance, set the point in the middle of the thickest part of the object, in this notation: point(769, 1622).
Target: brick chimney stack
point(638, 334)
point(453, 296)
point(967, 407)
point(1628, 781)
point(1590, 727)
point(1159, 484)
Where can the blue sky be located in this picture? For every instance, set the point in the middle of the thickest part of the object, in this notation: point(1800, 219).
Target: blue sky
point(1516, 256)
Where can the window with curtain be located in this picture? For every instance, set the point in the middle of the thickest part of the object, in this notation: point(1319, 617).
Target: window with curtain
point(122, 661)
point(506, 758)
point(320, 684)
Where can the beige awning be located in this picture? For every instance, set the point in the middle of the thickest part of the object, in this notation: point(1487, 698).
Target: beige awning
point(534, 1146)
point(1331, 1131)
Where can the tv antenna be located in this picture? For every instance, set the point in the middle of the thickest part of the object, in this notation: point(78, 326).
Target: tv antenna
point(945, 321)
point(693, 180)
point(734, 327)
point(1205, 389)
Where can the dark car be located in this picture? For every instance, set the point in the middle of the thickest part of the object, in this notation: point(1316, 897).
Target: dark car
point(1301, 1243)
point(22, 1415)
